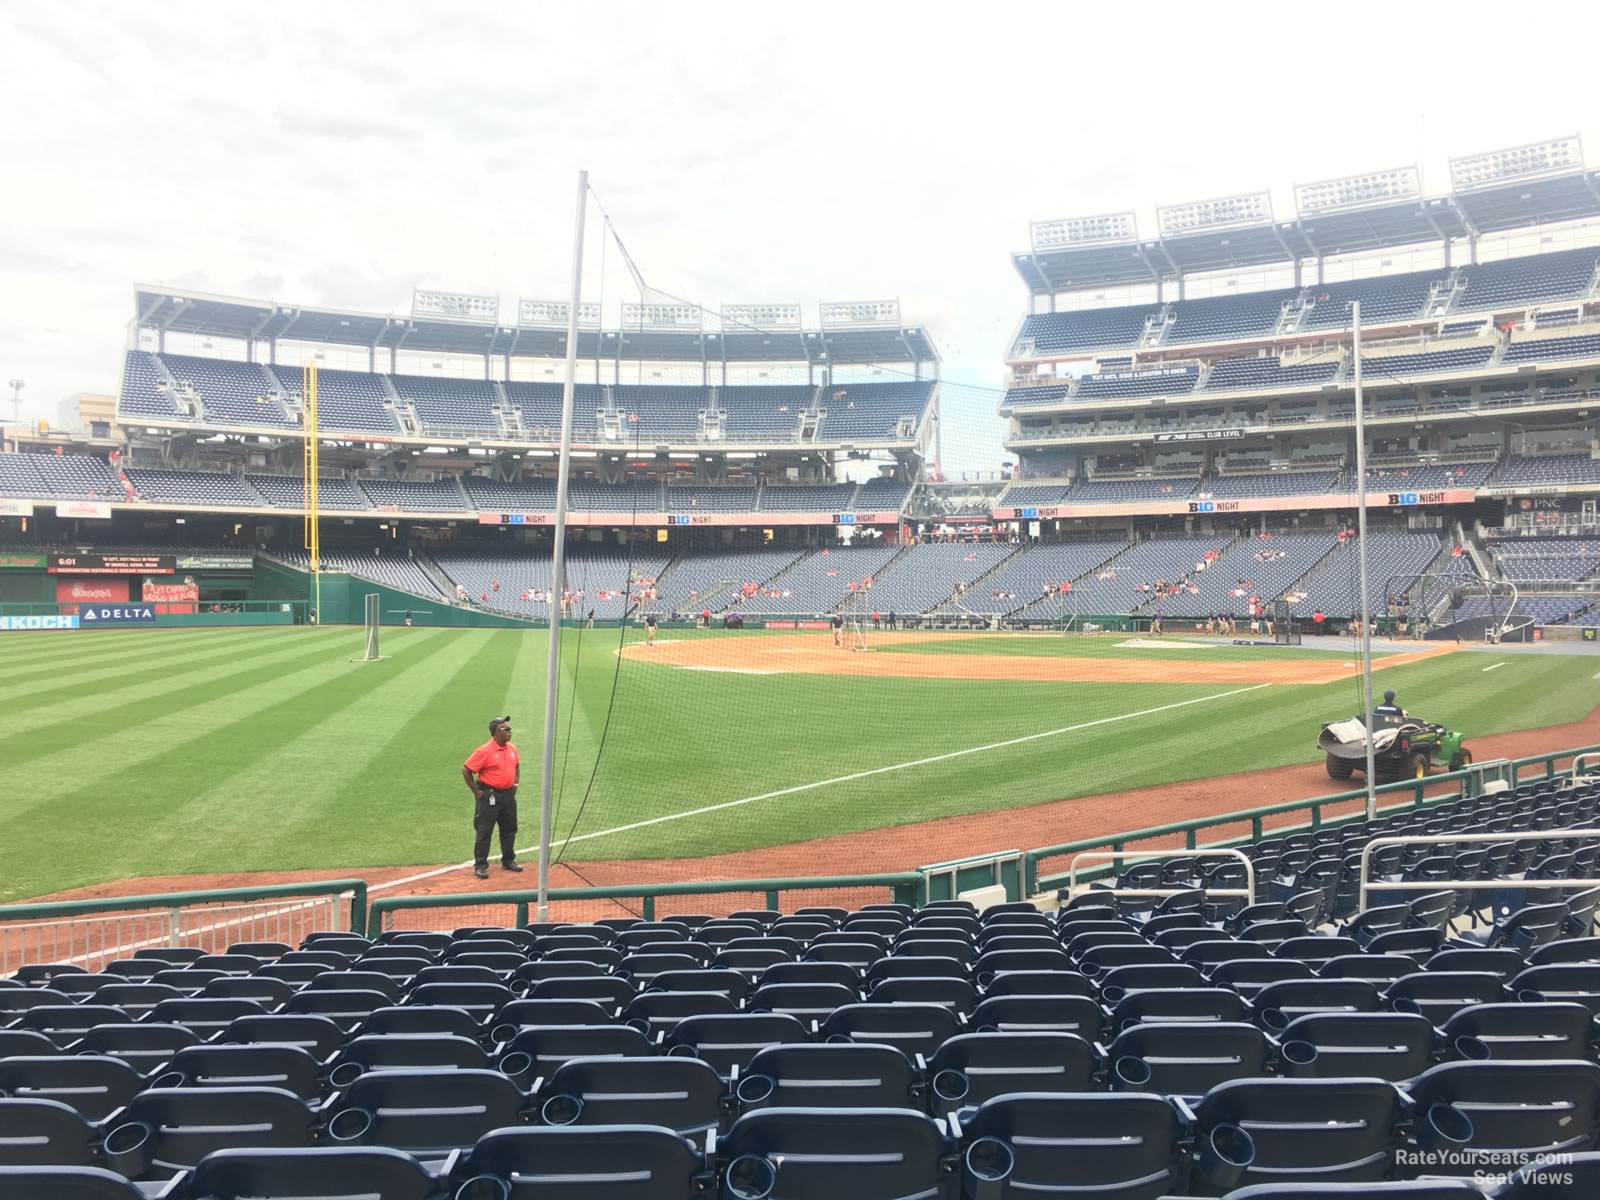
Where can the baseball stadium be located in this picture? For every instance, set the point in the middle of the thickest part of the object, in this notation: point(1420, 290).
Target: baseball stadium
point(1226, 762)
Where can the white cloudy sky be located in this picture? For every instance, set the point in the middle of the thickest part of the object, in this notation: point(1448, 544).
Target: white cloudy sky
point(343, 153)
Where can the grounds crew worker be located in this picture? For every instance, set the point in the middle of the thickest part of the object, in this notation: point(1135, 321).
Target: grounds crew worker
point(498, 771)
point(1388, 708)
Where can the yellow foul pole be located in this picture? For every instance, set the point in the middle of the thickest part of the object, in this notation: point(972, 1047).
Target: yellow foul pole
point(313, 525)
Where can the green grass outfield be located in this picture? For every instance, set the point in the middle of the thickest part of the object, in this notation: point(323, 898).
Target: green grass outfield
point(155, 752)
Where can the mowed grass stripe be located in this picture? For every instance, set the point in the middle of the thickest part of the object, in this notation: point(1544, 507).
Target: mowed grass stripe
point(88, 693)
point(42, 738)
point(349, 764)
point(143, 822)
point(164, 737)
point(94, 651)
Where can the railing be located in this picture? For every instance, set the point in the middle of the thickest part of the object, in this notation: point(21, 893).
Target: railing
point(97, 931)
point(1469, 885)
point(1248, 892)
point(1314, 809)
point(906, 887)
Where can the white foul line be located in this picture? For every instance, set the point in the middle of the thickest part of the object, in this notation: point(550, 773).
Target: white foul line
point(1496, 666)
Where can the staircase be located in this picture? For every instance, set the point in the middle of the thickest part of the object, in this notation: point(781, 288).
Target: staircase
point(880, 573)
point(973, 586)
point(1442, 295)
point(1155, 327)
point(1292, 314)
point(433, 571)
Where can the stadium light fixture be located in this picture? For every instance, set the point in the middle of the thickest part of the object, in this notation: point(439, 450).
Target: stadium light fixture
point(1358, 191)
point(552, 314)
point(781, 315)
point(455, 306)
point(844, 314)
point(662, 316)
point(1536, 160)
point(1224, 212)
point(1084, 231)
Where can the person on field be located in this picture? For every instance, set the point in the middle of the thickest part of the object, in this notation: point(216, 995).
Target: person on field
point(1388, 708)
point(838, 631)
point(650, 629)
point(492, 772)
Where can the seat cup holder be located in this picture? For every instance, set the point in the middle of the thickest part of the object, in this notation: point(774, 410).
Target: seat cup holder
point(1445, 1127)
point(501, 1034)
point(1228, 1154)
point(750, 1178)
point(988, 1163)
point(951, 1085)
point(350, 1125)
point(1113, 994)
point(167, 1079)
point(1132, 1072)
point(516, 1064)
point(346, 1073)
point(129, 1149)
point(1275, 1019)
point(754, 1090)
point(1473, 1049)
point(483, 1187)
point(561, 1110)
point(1299, 1054)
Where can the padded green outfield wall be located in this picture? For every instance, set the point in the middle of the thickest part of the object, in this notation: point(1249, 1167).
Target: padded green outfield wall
point(343, 600)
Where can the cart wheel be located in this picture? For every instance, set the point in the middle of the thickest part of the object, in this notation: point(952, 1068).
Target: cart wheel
point(1461, 758)
point(1340, 768)
point(1416, 766)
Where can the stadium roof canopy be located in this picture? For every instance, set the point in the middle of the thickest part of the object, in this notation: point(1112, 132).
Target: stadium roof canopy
point(176, 311)
point(1515, 204)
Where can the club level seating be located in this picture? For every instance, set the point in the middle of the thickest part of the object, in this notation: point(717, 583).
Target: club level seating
point(872, 411)
point(1534, 470)
point(763, 412)
point(230, 393)
point(1543, 349)
point(1546, 560)
point(1118, 491)
point(883, 495)
point(663, 412)
point(1040, 394)
point(1234, 374)
point(289, 491)
point(682, 499)
point(68, 476)
point(1131, 384)
point(194, 487)
point(1033, 494)
point(1189, 1044)
point(1273, 483)
point(445, 495)
point(145, 389)
point(1415, 477)
point(1226, 317)
point(1394, 367)
point(834, 497)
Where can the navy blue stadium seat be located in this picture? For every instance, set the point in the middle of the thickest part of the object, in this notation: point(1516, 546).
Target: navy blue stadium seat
point(405, 1052)
point(536, 1052)
point(1057, 1014)
point(682, 1094)
point(1522, 1030)
point(1185, 1059)
point(1439, 995)
point(424, 1112)
point(327, 1172)
point(654, 1013)
point(144, 1046)
point(1305, 1130)
point(1177, 1004)
point(1575, 982)
point(1528, 1107)
point(829, 1075)
point(1279, 1003)
point(727, 1042)
point(572, 1162)
point(1564, 1177)
point(847, 1154)
point(318, 1035)
point(94, 1085)
point(289, 1068)
point(45, 1133)
point(66, 1183)
point(806, 1001)
point(436, 1019)
point(1389, 1046)
point(1120, 1147)
point(163, 1131)
point(972, 1068)
point(914, 1028)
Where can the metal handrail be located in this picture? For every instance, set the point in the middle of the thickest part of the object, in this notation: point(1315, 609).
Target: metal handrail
point(1469, 885)
point(1249, 891)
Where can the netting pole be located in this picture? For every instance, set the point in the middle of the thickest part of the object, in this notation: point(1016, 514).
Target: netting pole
point(558, 558)
point(1361, 555)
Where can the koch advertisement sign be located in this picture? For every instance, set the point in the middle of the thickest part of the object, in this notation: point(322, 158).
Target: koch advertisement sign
point(43, 621)
point(16, 508)
point(117, 614)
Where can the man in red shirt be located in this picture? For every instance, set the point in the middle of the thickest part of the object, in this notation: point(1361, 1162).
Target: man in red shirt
point(498, 770)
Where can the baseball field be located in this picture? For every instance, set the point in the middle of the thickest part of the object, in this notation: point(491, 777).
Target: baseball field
point(127, 754)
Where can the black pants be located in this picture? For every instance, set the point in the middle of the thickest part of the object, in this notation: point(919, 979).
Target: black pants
point(496, 806)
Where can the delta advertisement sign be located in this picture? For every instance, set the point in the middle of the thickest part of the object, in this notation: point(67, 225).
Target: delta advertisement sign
point(1208, 507)
point(612, 520)
point(117, 614)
